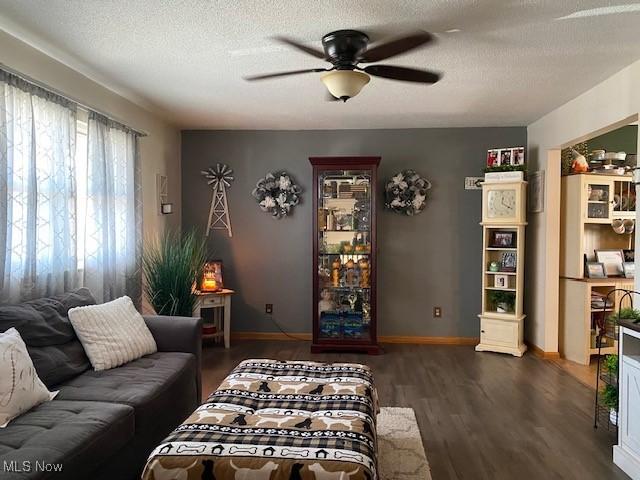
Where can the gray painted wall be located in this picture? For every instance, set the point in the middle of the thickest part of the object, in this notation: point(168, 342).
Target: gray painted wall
point(428, 260)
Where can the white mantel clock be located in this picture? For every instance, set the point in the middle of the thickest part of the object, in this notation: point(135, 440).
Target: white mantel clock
point(504, 203)
point(503, 223)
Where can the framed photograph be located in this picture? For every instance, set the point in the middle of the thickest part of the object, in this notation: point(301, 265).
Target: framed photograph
point(595, 270)
point(629, 255)
point(493, 157)
point(629, 269)
point(508, 262)
point(501, 281)
point(612, 259)
point(505, 156)
point(503, 239)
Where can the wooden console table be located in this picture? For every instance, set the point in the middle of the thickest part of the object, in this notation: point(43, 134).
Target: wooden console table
point(221, 303)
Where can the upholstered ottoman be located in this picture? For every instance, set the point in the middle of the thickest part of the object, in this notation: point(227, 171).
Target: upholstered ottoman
point(275, 420)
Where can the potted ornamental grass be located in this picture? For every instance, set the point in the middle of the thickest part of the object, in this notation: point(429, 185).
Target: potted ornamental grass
point(171, 265)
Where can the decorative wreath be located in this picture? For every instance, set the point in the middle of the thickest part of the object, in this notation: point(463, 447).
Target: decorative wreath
point(277, 193)
point(406, 193)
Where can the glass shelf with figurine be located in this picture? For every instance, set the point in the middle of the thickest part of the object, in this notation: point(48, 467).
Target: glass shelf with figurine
point(335, 273)
point(344, 313)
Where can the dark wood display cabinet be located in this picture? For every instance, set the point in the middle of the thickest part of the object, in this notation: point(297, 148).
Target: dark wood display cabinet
point(344, 254)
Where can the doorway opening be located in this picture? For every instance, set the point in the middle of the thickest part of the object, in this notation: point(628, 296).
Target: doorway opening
point(597, 217)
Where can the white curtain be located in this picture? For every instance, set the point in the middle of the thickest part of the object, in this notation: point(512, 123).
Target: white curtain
point(113, 223)
point(37, 191)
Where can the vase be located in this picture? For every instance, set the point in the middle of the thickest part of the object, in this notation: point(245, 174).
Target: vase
point(613, 417)
point(502, 308)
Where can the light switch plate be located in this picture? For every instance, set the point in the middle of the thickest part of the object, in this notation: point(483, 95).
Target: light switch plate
point(473, 183)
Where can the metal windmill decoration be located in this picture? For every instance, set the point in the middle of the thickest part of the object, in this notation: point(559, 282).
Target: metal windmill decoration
point(220, 179)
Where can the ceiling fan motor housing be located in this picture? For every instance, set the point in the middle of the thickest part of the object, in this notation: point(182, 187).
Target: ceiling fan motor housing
point(344, 48)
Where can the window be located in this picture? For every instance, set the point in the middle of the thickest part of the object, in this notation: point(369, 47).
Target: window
point(69, 198)
point(81, 183)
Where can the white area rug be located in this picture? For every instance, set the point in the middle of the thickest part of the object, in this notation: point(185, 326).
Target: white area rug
point(401, 455)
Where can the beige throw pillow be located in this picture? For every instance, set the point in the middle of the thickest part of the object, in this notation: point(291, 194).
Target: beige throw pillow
point(20, 387)
point(112, 333)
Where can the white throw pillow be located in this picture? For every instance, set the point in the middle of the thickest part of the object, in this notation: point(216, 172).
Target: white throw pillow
point(20, 387)
point(112, 333)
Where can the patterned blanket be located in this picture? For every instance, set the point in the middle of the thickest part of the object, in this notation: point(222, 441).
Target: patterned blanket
point(273, 420)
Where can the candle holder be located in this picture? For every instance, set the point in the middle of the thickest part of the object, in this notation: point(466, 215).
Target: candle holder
point(211, 277)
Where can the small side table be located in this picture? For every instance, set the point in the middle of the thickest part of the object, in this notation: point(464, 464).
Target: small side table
point(222, 319)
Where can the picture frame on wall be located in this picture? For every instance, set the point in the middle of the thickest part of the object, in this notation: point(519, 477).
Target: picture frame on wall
point(613, 261)
point(503, 239)
point(595, 270)
point(536, 192)
point(629, 269)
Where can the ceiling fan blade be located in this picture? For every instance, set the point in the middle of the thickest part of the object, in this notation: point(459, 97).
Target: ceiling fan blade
point(251, 78)
point(402, 73)
point(396, 47)
point(300, 46)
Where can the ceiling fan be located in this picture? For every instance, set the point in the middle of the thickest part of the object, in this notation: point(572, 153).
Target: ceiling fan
point(346, 49)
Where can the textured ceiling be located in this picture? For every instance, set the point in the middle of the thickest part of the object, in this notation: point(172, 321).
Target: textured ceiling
point(510, 62)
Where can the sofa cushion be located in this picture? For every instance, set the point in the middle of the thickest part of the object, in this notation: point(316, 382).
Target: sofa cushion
point(20, 387)
point(161, 388)
point(51, 341)
point(113, 333)
point(75, 435)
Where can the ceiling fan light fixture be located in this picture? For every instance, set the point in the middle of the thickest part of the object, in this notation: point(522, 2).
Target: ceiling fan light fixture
point(345, 84)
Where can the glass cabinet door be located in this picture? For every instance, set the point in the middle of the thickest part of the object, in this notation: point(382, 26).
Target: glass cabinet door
point(598, 202)
point(344, 255)
point(624, 199)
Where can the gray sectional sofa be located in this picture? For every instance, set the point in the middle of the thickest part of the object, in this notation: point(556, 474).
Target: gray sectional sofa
point(102, 425)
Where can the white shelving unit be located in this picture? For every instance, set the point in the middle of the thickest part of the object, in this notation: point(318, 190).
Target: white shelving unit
point(503, 212)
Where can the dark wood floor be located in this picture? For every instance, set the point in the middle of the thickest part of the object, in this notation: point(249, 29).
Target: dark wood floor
point(482, 415)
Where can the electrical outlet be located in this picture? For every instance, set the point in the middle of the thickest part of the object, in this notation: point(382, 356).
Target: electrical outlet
point(437, 312)
point(268, 308)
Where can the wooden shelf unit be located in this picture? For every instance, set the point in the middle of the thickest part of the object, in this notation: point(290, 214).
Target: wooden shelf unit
point(580, 232)
point(577, 318)
point(499, 331)
point(516, 279)
point(585, 226)
point(345, 326)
